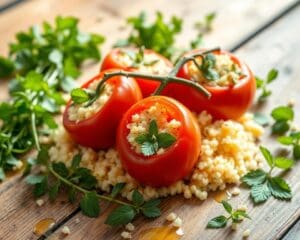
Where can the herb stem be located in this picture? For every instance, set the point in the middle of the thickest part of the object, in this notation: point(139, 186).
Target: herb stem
point(102, 197)
point(34, 131)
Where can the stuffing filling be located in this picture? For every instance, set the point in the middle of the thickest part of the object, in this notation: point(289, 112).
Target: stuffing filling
point(228, 152)
point(147, 63)
point(140, 125)
point(79, 112)
point(221, 70)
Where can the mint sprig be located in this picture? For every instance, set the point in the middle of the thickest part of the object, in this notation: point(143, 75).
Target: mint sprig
point(153, 140)
point(292, 140)
point(263, 84)
point(80, 183)
point(263, 184)
point(236, 216)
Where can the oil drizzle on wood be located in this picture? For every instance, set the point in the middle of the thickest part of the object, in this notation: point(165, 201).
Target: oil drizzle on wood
point(159, 233)
point(220, 196)
point(43, 226)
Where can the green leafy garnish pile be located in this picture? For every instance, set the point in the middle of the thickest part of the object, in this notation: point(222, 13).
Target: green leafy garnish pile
point(81, 184)
point(55, 51)
point(152, 141)
point(159, 35)
point(292, 140)
point(208, 67)
point(283, 116)
point(263, 184)
point(263, 84)
point(236, 216)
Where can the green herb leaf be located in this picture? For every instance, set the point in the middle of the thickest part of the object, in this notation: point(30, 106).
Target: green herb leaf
point(137, 198)
point(76, 161)
point(282, 113)
point(165, 140)
point(7, 67)
point(255, 177)
point(121, 215)
point(150, 208)
point(279, 188)
point(53, 191)
point(280, 127)
point(296, 151)
point(89, 205)
point(148, 148)
point(227, 206)
point(283, 163)
point(285, 140)
point(61, 169)
point(117, 189)
point(267, 155)
point(260, 193)
point(34, 179)
point(217, 222)
point(41, 188)
point(153, 129)
point(272, 75)
point(143, 138)
point(79, 95)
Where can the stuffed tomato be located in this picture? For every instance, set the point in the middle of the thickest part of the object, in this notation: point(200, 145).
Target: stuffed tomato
point(228, 79)
point(158, 141)
point(139, 60)
point(95, 125)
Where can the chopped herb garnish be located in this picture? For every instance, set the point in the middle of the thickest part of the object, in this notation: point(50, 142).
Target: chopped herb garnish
point(261, 119)
point(263, 184)
point(153, 140)
point(208, 67)
point(263, 84)
point(236, 216)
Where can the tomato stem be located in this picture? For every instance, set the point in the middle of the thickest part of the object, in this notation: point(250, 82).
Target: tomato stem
point(164, 80)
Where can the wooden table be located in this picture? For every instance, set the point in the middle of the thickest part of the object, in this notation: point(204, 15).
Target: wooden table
point(264, 33)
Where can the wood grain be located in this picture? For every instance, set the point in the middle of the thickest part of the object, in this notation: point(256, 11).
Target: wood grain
point(236, 19)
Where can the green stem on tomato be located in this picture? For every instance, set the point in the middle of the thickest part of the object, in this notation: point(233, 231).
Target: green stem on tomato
point(80, 189)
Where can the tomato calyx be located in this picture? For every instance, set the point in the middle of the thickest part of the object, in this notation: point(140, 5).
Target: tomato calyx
point(152, 141)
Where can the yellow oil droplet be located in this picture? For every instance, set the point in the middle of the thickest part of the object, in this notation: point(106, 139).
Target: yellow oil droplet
point(220, 196)
point(13, 173)
point(43, 226)
point(160, 233)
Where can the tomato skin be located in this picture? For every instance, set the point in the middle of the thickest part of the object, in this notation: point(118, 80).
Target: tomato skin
point(99, 131)
point(229, 102)
point(176, 162)
point(147, 86)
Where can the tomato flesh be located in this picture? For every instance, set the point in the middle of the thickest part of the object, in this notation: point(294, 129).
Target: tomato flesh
point(177, 161)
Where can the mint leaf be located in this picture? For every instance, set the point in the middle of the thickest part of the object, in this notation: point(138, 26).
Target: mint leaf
point(148, 148)
point(117, 189)
point(282, 113)
point(34, 179)
point(279, 188)
point(255, 177)
point(89, 205)
point(150, 208)
point(121, 215)
point(53, 190)
point(296, 151)
point(153, 129)
point(280, 127)
point(283, 163)
point(165, 140)
point(61, 169)
point(79, 95)
point(143, 138)
point(260, 193)
point(41, 188)
point(217, 222)
point(137, 198)
point(227, 206)
point(76, 161)
point(267, 155)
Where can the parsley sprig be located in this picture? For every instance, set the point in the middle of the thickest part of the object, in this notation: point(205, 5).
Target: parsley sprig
point(283, 116)
point(159, 35)
point(236, 216)
point(292, 140)
point(263, 84)
point(55, 51)
point(80, 183)
point(263, 184)
point(208, 67)
point(153, 140)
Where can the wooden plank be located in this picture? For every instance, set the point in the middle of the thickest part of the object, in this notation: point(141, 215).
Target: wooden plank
point(294, 233)
point(270, 220)
point(112, 13)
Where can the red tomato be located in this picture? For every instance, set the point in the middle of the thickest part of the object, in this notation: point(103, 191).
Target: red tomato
point(177, 161)
point(99, 131)
point(226, 102)
point(147, 86)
